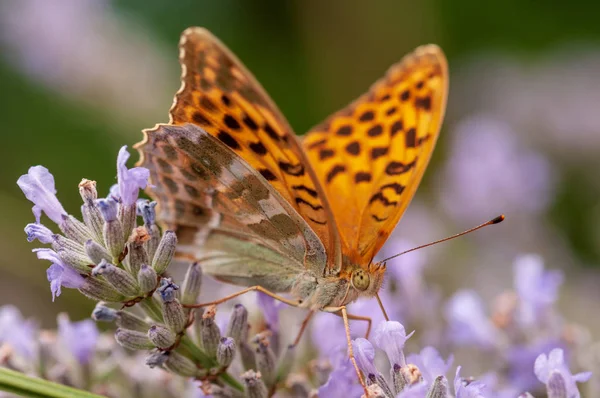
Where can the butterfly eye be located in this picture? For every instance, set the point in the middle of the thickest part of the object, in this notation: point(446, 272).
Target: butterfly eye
point(360, 280)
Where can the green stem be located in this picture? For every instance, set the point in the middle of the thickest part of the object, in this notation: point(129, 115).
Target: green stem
point(27, 386)
point(207, 362)
point(152, 308)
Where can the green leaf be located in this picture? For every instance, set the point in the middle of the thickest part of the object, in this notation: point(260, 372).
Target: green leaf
point(27, 386)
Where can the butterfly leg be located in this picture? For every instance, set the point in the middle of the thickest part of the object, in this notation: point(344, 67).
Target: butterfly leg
point(293, 303)
point(303, 327)
point(350, 350)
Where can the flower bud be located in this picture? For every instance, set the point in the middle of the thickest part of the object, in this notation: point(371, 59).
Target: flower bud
point(197, 325)
point(161, 336)
point(247, 355)
point(157, 358)
point(255, 388)
point(75, 229)
point(145, 208)
point(152, 244)
point(120, 279)
point(96, 252)
point(164, 252)
point(102, 313)
point(225, 351)
point(398, 379)
point(439, 388)
point(265, 359)
point(127, 216)
point(137, 255)
point(224, 392)
point(89, 210)
point(127, 320)
point(147, 279)
point(237, 323)
point(71, 253)
point(133, 340)
point(380, 381)
point(211, 335)
point(191, 284)
point(167, 289)
point(174, 315)
point(108, 208)
point(99, 290)
point(181, 365)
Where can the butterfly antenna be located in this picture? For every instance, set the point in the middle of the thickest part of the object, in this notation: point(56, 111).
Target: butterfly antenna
point(493, 221)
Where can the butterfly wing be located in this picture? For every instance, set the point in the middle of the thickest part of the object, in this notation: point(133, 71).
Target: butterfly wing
point(225, 214)
point(370, 156)
point(221, 96)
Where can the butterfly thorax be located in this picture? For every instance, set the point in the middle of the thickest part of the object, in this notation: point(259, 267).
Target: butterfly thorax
point(352, 282)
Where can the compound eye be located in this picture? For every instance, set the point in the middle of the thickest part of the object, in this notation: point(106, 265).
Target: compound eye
point(360, 280)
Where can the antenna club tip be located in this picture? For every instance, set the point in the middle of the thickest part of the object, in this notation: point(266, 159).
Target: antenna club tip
point(498, 219)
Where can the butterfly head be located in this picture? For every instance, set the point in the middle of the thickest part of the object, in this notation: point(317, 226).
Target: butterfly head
point(366, 281)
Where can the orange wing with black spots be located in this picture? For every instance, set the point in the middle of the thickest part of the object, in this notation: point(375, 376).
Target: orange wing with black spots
point(221, 96)
point(370, 156)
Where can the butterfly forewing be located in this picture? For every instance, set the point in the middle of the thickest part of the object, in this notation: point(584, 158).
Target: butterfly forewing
point(370, 156)
point(221, 96)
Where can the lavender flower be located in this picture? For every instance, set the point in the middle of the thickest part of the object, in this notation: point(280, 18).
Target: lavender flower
point(365, 356)
point(552, 370)
point(38, 187)
point(342, 381)
point(59, 274)
point(391, 337)
point(16, 332)
point(468, 389)
point(130, 180)
point(430, 363)
point(79, 337)
point(468, 322)
point(39, 232)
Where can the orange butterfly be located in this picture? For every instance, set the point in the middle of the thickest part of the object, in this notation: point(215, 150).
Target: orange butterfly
point(257, 207)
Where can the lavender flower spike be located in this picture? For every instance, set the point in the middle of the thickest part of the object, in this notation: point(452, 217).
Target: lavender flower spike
point(391, 336)
point(430, 363)
point(59, 274)
point(79, 337)
point(130, 180)
point(38, 187)
point(549, 367)
point(473, 389)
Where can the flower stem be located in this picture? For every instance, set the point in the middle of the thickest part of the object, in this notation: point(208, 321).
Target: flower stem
point(152, 309)
point(27, 386)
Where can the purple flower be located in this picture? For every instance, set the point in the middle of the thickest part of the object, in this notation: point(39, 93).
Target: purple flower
point(342, 382)
point(326, 331)
point(552, 370)
point(16, 332)
point(130, 180)
point(537, 289)
point(430, 363)
point(79, 337)
point(364, 353)
point(38, 187)
point(468, 323)
point(39, 232)
point(270, 310)
point(468, 389)
point(59, 274)
point(108, 207)
point(521, 359)
point(391, 336)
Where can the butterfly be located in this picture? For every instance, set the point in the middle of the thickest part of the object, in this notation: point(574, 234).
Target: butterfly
point(257, 206)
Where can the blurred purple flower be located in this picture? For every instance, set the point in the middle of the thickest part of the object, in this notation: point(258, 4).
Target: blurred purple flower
point(39, 232)
point(520, 362)
point(59, 274)
point(468, 322)
point(390, 336)
point(342, 382)
point(326, 330)
point(270, 310)
point(417, 390)
point(130, 181)
point(17, 333)
point(552, 370)
point(537, 289)
point(38, 187)
point(470, 389)
point(472, 185)
point(430, 363)
point(79, 337)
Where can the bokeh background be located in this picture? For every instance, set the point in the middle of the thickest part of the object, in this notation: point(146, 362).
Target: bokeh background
point(81, 78)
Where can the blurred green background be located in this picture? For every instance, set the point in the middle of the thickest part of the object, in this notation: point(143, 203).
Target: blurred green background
point(80, 78)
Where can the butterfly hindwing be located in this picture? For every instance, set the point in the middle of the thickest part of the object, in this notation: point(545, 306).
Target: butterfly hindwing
point(223, 98)
point(370, 156)
point(225, 214)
